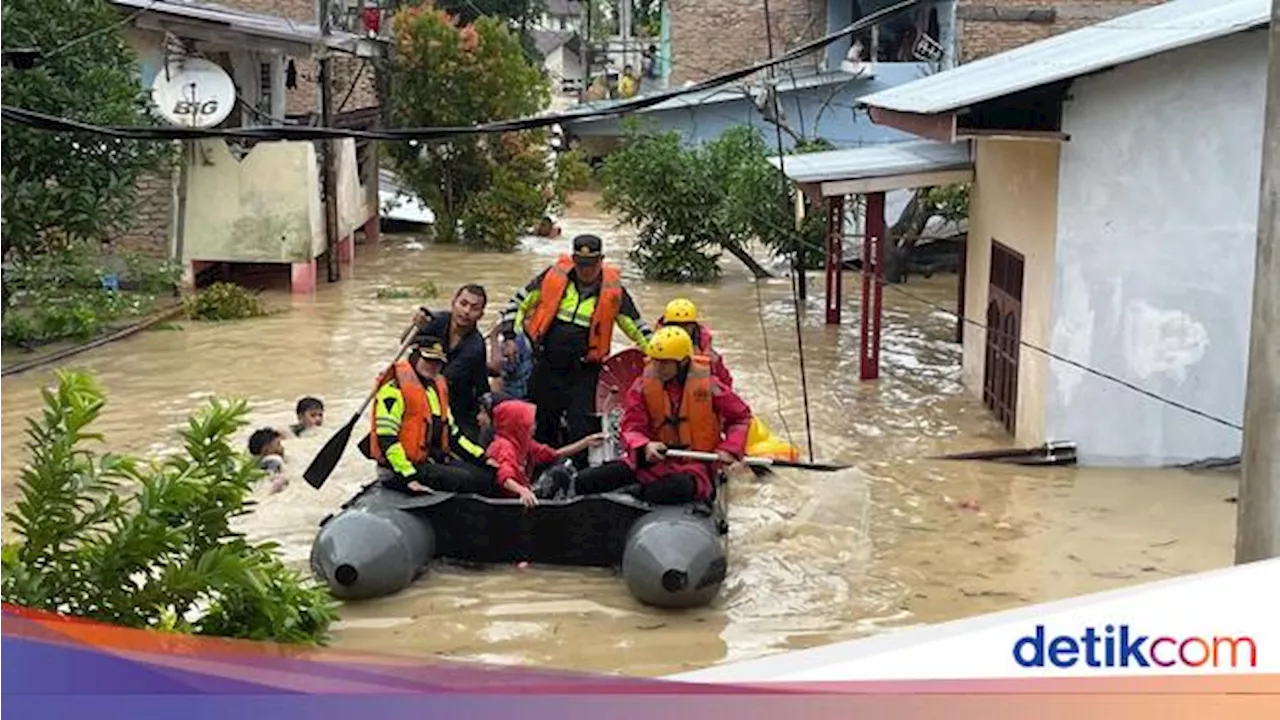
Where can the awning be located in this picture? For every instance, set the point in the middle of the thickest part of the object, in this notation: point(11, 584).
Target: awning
point(879, 168)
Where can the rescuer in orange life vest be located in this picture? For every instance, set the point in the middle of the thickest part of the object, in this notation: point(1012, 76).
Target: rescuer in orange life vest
point(413, 436)
point(682, 313)
point(679, 404)
point(568, 312)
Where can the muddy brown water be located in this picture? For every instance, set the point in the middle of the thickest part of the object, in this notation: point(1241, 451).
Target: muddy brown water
point(815, 558)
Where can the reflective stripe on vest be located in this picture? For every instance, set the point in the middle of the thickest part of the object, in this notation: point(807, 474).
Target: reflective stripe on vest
point(695, 425)
point(423, 424)
point(558, 301)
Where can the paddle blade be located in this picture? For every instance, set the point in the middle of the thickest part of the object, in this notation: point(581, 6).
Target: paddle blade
point(819, 467)
point(327, 459)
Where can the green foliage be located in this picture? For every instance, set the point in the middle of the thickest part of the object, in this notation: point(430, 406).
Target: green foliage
point(224, 301)
point(490, 187)
point(61, 188)
point(950, 202)
point(424, 290)
point(59, 295)
point(691, 203)
point(143, 544)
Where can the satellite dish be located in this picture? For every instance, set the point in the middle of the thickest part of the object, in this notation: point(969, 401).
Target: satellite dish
point(194, 93)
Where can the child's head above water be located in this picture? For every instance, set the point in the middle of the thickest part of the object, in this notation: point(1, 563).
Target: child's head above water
point(266, 441)
point(310, 412)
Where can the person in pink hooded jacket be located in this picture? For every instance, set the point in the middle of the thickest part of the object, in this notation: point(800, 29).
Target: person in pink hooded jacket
point(677, 403)
point(513, 453)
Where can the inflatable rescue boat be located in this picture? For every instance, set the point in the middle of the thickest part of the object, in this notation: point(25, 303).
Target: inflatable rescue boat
point(382, 540)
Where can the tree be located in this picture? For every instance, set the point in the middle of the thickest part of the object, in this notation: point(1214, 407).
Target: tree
point(61, 189)
point(949, 202)
point(149, 544)
point(490, 187)
point(728, 195)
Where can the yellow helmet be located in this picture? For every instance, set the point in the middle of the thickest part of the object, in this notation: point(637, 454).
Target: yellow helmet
point(680, 310)
point(671, 343)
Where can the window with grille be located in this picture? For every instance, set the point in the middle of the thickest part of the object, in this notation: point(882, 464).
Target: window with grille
point(265, 86)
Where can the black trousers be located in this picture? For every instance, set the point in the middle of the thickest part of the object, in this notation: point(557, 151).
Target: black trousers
point(451, 476)
point(568, 394)
point(672, 489)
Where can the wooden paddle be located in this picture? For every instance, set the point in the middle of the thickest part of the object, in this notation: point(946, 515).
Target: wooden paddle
point(757, 461)
point(327, 459)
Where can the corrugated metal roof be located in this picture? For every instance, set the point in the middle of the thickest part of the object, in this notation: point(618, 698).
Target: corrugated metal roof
point(733, 92)
point(249, 23)
point(871, 161)
point(1114, 42)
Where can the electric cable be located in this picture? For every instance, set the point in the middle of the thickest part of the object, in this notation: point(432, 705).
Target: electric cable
point(53, 123)
point(897, 288)
point(797, 264)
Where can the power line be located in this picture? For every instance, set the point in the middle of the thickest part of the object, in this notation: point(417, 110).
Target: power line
point(53, 123)
point(108, 28)
point(797, 263)
point(767, 222)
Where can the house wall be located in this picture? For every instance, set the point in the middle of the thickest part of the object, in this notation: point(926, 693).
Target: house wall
point(825, 111)
point(560, 65)
point(152, 230)
point(711, 36)
point(1014, 202)
point(1156, 241)
point(305, 98)
point(260, 208)
point(987, 27)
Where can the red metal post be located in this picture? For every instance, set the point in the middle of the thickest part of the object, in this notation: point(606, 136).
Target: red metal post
point(872, 286)
point(835, 258)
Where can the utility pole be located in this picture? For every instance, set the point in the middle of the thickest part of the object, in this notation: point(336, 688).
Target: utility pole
point(1258, 521)
point(329, 154)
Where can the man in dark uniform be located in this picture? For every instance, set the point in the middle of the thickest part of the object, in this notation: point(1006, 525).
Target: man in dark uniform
point(467, 370)
point(567, 313)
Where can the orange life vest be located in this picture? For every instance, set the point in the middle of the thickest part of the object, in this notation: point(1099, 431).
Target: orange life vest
point(608, 305)
point(420, 428)
point(694, 425)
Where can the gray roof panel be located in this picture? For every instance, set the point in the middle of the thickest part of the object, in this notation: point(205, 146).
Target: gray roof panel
point(871, 161)
point(1121, 40)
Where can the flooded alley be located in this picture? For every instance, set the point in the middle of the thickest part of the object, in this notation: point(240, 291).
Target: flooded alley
point(898, 541)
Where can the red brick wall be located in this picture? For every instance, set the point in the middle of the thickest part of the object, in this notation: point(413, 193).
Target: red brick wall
point(986, 27)
point(711, 36)
point(152, 225)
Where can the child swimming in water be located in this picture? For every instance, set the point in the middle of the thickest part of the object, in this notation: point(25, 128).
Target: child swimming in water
point(310, 412)
point(266, 445)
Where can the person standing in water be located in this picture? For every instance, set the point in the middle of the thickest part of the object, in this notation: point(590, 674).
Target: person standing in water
point(568, 313)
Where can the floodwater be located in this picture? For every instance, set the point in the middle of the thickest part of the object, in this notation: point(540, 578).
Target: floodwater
point(899, 541)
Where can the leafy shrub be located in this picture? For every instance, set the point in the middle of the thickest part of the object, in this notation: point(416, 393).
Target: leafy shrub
point(424, 290)
point(224, 301)
point(690, 203)
point(149, 544)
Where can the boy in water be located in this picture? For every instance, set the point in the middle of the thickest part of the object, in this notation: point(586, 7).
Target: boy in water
point(266, 445)
point(310, 412)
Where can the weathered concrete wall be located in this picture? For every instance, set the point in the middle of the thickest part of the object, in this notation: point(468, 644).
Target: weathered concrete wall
point(1156, 242)
point(1014, 202)
point(263, 208)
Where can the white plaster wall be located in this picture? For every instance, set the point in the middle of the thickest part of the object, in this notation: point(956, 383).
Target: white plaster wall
point(1156, 234)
